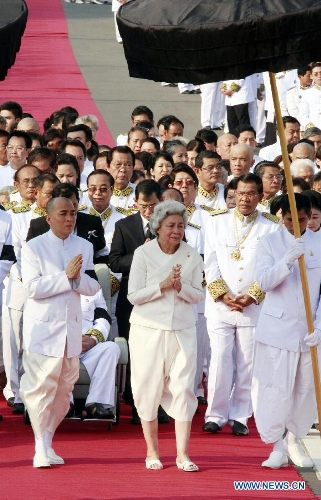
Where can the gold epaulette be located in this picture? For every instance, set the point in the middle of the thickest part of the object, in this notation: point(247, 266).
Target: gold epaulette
point(273, 218)
point(81, 208)
point(217, 288)
point(9, 205)
point(234, 87)
point(114, 284)
point(23, 208)
point(256, 292)
point(218, 211)
point(309, 125)
point(132, 210)
point(194, 225)
point(123, 211)
point(93, 332)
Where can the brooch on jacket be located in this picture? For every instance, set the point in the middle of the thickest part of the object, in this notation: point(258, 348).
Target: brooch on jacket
point(92, 233)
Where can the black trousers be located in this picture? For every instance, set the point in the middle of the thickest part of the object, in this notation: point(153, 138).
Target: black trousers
point(236, 116)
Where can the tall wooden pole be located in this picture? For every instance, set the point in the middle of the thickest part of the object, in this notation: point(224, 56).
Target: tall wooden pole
point(297, 234)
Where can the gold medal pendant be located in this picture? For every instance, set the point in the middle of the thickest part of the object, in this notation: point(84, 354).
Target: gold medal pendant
point(236, 254)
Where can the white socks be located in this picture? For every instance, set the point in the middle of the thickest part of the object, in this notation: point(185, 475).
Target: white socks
point(291, 438)
point(43, 442)
point(279, 446)
point(48, 439)
point(39, 443)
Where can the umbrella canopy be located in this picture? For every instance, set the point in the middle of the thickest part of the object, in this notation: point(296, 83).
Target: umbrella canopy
point(201, 41)
point(13, 20)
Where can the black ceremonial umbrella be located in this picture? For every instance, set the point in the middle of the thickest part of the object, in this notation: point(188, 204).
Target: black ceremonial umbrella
point(200, 41)
point(13, 20)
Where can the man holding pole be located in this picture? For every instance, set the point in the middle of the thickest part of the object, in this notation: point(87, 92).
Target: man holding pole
point(282, 390)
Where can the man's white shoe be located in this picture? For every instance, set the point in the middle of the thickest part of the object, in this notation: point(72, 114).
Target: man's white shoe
point(41, 459)
point(297, 454)
point(53, 458)
point(276, 460)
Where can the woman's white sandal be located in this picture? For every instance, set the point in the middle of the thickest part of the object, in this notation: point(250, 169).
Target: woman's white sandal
point(187, 466)
point(155, 461)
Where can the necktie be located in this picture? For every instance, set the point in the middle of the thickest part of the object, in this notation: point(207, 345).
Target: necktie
point(149, 234)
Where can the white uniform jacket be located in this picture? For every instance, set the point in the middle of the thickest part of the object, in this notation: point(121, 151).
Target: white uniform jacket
point(124, 198)
point(215, 199)
point(310, 108)
point(223, 274)
point(168, 310)
point(282, 322)
point(52, 313)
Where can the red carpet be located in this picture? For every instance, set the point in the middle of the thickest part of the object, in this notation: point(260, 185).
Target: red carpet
point(102, 464)
point(46, 76)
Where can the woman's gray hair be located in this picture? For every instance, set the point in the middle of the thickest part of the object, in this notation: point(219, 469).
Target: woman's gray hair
point(163, 210)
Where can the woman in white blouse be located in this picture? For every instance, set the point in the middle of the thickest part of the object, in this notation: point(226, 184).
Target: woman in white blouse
point(165, 280)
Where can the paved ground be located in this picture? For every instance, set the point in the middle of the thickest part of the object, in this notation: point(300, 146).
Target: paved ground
point(103, 64)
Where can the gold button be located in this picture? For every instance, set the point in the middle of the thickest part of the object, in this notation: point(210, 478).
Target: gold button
point(241, 268)
point(240, 279)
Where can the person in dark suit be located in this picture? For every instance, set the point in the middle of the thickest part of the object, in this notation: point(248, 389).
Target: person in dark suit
point(130, 233)
point(87, 226)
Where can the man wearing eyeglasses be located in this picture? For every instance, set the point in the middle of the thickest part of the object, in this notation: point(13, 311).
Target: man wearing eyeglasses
point(232, 304)
point(18, 148)
point(100, 189)
point(272, 177)
point(120, 166)
point(129, 234)
point(210, 192)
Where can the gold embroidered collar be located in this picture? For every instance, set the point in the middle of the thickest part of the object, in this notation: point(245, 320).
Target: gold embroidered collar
point(267, 203)
point(190, 209)
point(40, 211)
point(104, 215)
point(248, 218)
point(210, 195)
point(123, 192)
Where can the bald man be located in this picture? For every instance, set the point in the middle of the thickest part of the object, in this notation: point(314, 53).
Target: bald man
point(224, 144)
point(303, 151)
point(29, 125)
point(241, 160)
point(57, 268)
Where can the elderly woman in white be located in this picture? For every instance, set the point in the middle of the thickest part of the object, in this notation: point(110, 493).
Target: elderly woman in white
point(164, 283)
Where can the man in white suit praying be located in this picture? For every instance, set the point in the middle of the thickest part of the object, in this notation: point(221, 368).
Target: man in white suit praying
point(56, 268)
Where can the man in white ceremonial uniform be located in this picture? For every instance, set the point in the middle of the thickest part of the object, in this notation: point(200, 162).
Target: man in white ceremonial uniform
point(238, 95)
point(186, 181)
point(210, 193)
point(99, 356)
point(297, 92)
point(310, 104)
point(232, 304)
point(271, 175)
point(18, 148)
point(292, 134)
point(7, 258)
point(57, 267)
point(283, 389)
point(13, 295)
point(121, 166)
point(100, 189)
